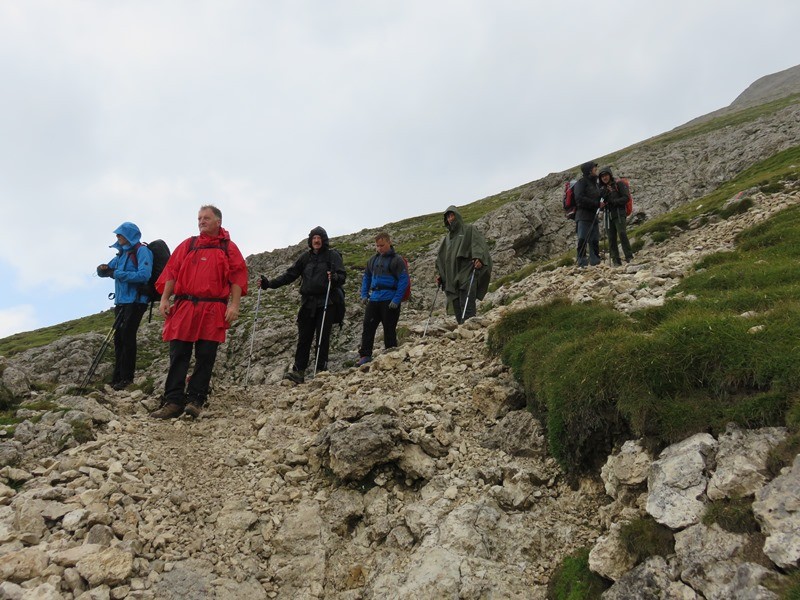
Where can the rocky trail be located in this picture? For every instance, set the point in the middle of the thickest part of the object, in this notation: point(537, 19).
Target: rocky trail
point(415, 476)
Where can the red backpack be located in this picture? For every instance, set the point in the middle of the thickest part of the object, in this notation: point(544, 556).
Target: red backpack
point(629, 203)
point(569, 199)
point(407, 293)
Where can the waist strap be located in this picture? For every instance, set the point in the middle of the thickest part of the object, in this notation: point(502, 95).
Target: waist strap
point(195, 299)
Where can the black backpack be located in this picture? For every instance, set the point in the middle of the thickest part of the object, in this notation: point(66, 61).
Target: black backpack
point(161, 256)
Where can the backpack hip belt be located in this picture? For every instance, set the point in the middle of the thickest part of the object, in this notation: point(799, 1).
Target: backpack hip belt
point(196, 299)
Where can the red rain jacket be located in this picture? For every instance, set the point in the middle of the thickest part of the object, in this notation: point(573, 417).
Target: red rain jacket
point(205, 273)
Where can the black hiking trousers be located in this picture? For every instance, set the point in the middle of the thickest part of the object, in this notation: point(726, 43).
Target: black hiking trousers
point(130, 316)
point(176, 389)
point(309, 326)
point(379, 313)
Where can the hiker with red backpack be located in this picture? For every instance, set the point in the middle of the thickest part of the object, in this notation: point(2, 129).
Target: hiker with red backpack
point(208, 275)
point(616, 193)
point(384, 286)
point(130, 269)
point(588, 202)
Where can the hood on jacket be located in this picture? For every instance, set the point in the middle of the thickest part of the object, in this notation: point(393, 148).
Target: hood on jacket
point(606, 170)
point(586, 168)
point(131, 233)
point(321, 233)
point(459, 219)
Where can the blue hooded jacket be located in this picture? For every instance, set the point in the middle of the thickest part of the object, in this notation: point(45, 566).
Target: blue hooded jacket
point(130, 273)
point(385, 278)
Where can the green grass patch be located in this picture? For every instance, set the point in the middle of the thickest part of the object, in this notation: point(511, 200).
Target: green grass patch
point(788, 587)
point(19, 342)
point(734, 515)
point(643, 538)
point(573, 580)
point(595, 376)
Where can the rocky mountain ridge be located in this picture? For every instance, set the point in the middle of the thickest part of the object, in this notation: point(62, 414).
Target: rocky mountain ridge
point(417, 475)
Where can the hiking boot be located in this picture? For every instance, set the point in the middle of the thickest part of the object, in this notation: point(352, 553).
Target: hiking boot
point(363, 360)
point(168, 411)
point(193, 409)
point(121, 385)
point(295, 376)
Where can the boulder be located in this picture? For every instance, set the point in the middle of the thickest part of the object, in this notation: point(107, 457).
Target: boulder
point(777, 509)
point(677, 481)
point(742, 461)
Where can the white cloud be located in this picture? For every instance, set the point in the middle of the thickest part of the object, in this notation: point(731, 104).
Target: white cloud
point(17, 318)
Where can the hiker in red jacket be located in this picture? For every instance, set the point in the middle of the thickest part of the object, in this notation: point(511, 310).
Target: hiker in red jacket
point(208, 275)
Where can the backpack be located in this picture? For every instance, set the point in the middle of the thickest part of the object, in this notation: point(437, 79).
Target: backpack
point(407, 293)
point(336, 306)
point(629, 203)
point(569, 199)
point(161, 255)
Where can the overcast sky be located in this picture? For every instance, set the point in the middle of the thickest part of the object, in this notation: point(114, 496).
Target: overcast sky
point(291, 114)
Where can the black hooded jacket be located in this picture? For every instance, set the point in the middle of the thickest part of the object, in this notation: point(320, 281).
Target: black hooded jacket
point(615, 193)
point(587, 194)
point(313, 268)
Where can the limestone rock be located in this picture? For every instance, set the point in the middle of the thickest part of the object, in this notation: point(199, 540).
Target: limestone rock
point(22, 565)
point(650, 581)
point(629, 467)
point(677, 482)
point(518, 433)
point(777, 508)
point(608, 556)
point(742, 461)
point(708, 557)
point(354, 449)
point(90, 406)
point(111, 566)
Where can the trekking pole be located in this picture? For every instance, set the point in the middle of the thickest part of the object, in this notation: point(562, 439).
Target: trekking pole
point(581, 249)
point(252, 338)
point(606, 224)
point(99, 356)
point(322, 327)
point(469, 289)
point(436, 295)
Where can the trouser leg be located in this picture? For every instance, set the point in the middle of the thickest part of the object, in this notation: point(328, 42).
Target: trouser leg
point(322, 328)
point(125, 341)
point(205, 354)
point(594, 244)
point(458, 304)
point(305, 336)
point(612, 239)
point(180, 355)
point(622, 227)
point(389, 318)
point(372, 318)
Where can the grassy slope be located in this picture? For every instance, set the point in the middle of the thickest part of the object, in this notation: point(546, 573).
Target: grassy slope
point(595, 375)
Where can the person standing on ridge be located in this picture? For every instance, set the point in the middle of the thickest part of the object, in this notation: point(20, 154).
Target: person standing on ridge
point(588, 202)
point(318, 267)
point(615, 193)
point(130, 269)
point(383, 287)
point(208, 275)
point(463, 265)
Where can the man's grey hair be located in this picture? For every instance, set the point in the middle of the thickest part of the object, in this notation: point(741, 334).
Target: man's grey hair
point(217, 212)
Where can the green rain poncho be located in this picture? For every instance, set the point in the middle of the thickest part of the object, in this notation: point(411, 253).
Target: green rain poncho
point(454, 259)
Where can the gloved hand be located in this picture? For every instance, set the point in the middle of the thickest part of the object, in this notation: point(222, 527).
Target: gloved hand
point(264, 283)
point(365, 301)
point(104, 271)
point(393, 305)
